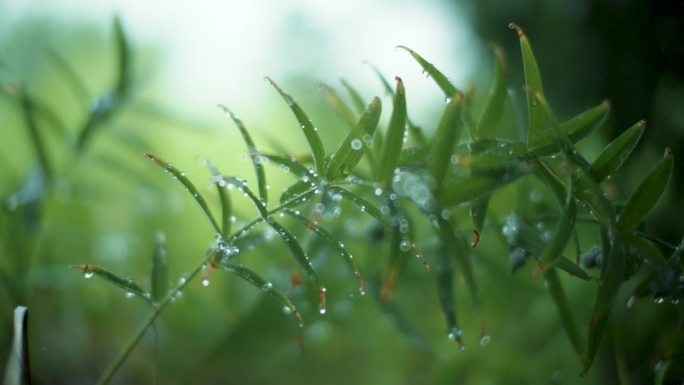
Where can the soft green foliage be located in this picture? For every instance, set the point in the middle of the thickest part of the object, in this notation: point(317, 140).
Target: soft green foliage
point(420, 197)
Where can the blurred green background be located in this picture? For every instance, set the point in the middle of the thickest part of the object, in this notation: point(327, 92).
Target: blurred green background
point(107, 202)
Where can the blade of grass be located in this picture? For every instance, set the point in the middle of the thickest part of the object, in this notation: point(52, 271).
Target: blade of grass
point(446, 136)
point(432, 71)
point(328, 237)
point(123, 55)
point(349, 154)
point(355, 96)
point(452, 238)
point(561, 234)
point(496, 100)
point(254, 154)
point(647, 194)
point(445, 293)
point(189, 186)
point(463, 189)
point(127, 284)
point(395, 137)
point(35, 135)
point(535, 113)
point(564, 310)
point(337, 104)
point(362, 204)
point(310, 132)
point(289, 239)
point(296, 189)
point(290, 164)
point(616, 152)
point(224, 198)
point(260, 283)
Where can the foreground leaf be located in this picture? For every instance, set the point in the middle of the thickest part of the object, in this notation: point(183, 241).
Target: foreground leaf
point(442, 145)
point(127, 284)
point(18, 369)
point(395, 137)
point(432, 71)
point(617, 152)
point(159, 277)
point(496, 100)
point(647, 194)
point(256, 280)
point(310, 131)
point(189, 186)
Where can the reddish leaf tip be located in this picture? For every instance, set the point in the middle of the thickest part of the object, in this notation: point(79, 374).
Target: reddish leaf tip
point(514, 26)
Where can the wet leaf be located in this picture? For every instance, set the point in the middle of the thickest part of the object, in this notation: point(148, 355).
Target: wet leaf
point(442, 145)
point(575, 129)
point(430, 70)
point(289, 164)
point(159, 280)
point(496, 100)
point(361, 203)
point(127, 284)
point(535, 112)
point(456, 245)
point(561, 234)
point(310, 131)
point(646, 195)
point(224, 198)
point(300, 187)
point(350, 152)
point(445, 293)
point(395, 137)
point(260, 283)
point(336, 244)
point(189, 186)
point(284, 234)
point(254, 154)
point(616, 152)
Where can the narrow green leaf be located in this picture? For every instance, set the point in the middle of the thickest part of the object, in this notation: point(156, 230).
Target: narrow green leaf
point(224, 198)
point(395, 136)
point(260, 283)
point(442, 146)
point(571, 268)
point(189, 186)
point(362, 204)
point(310, 131)
point(127, 284)
point(350, 152)
point(496, 100)
point(383, 80)
point(647, 194)
point(123, 75)
point(429, 69)
point(355, 96)
point(561, 234)
point(566, 314)
point(328, 237)
point(298, 188)
point(453, 239)
point(611, 279)
point(339, 106)
point(18, 369)
point(660, 372)
point(289, 239)
point(254, 154)
point(575, 129)
point(463, 189)
point(290, 164)
point(478, 214)
point(159, 280)
point(647, 249)
point(445, 293)
point(535, 112)
point(617, 152)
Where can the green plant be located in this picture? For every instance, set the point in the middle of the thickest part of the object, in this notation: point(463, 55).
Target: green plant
point(421, 188)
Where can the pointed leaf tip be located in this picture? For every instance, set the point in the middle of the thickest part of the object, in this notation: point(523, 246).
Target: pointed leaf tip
point(517, 28)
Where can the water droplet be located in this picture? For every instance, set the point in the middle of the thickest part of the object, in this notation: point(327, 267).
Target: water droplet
point(205, 282)
point(322, 310)
point(356, 144)
point(378, 191)
point(659, 300)
point(485, 340)
point(130, 294)
point(630, 302)
point(405, 245)
point(88, 274)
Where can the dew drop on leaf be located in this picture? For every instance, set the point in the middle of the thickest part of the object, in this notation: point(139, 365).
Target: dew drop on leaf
point(88, 274)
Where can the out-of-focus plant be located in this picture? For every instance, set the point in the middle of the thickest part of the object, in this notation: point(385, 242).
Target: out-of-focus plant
point(412, 182)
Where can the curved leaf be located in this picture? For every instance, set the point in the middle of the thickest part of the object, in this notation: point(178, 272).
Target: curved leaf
point(647, 194)
point(189, 186)
point(256, 280)
point(496, 100)
point(127, 284)
point(439, 78)
point(310, 131)
point(350, 152)
point(395, 136)
point(442, 146)
point(616, 152)
point(254, 154)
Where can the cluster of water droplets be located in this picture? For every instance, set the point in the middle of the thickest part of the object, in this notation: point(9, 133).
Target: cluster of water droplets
point(414, 186)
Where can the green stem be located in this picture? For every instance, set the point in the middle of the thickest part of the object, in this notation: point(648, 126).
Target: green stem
point(121, 358)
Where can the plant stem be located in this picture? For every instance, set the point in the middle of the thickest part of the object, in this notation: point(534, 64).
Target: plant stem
point(121, 358)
